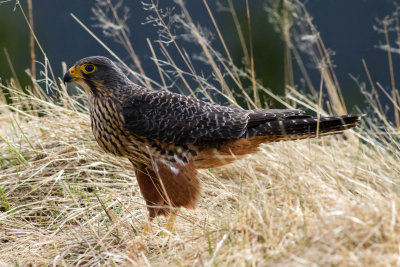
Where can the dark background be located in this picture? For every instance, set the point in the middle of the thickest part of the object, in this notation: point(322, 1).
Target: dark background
point(346, 26)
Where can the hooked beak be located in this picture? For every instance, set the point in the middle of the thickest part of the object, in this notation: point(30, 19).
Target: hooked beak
point(71, 75)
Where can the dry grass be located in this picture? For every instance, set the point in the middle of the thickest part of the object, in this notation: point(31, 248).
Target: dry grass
point(327, 201)
point(332, 201)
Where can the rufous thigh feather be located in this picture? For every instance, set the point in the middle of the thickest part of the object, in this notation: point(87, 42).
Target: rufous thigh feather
point(166, 186)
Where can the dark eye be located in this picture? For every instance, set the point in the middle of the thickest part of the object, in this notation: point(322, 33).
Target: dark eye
point(89, 68)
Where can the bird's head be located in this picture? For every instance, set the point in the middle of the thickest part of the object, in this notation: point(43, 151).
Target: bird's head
point(97, 75)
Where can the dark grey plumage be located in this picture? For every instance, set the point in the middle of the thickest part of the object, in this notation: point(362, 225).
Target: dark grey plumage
point(174, 118)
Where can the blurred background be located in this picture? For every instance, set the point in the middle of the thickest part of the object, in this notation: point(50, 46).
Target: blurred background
point(347, 28)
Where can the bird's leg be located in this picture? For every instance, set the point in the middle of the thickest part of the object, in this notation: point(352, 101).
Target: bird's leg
point(147, 228)
point(171, 222)
point(169, 227)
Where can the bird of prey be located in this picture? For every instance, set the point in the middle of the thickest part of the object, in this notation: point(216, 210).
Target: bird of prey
point(168, 136)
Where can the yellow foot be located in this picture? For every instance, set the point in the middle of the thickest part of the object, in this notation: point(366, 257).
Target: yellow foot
point(170, 225)
point(171, 222)
point(146, 228)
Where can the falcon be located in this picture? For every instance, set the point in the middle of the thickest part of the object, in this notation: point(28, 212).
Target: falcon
point(169, 136)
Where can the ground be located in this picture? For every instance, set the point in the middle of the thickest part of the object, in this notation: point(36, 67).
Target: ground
point(330, 201)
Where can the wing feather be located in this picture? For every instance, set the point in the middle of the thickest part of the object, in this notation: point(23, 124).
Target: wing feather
point(174, 118)
point(178, 119)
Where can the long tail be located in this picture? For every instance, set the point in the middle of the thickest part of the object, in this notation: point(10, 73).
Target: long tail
point(301, 127)
point(292, 127)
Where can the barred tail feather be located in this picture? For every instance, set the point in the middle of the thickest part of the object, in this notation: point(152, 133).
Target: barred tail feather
point(300, 127)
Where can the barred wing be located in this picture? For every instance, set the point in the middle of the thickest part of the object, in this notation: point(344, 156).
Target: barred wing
point(174, 118)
